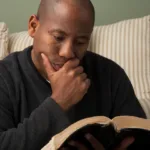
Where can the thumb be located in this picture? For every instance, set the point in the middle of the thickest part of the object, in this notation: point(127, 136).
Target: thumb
point(48, 67)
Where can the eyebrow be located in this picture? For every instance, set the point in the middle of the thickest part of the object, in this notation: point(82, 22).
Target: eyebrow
point(85, 36)
point(58, 31)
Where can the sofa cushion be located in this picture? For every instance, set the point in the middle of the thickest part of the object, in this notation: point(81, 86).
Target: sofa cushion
point(3, 40)
point(128, 44)
point(19, 41)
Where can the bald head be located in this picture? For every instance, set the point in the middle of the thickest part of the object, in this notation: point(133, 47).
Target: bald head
point(47, 7)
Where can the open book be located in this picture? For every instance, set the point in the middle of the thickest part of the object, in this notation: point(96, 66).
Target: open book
point(109, 132)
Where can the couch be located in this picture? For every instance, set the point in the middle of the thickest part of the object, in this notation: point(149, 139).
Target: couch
point(126, 42)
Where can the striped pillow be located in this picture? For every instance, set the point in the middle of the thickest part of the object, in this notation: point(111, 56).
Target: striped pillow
point(19, 41)
point(3, 40)
point(128, 44)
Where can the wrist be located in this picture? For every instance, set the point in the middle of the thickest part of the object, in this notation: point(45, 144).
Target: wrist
point(64, 106)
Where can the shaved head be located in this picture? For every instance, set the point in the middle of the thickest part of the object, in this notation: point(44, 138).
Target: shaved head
point(61, 30)
point(47, 7)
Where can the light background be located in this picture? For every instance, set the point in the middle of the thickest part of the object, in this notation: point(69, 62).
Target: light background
point(17, 12)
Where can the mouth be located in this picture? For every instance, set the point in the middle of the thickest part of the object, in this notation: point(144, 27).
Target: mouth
point(57, 66)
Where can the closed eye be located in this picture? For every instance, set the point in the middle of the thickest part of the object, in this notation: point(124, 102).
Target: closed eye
point(59, 38)
point(81, 42)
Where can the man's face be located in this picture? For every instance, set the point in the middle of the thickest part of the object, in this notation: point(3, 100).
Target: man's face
point(62, 35)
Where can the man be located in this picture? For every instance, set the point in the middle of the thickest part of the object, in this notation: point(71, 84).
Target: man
point(56, 82)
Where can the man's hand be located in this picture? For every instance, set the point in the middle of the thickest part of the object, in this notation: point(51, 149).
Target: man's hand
point(69, 84)
point(125, 143)
point(97, 145)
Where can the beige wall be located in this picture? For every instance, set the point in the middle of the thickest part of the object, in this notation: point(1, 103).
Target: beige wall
point(17, 12)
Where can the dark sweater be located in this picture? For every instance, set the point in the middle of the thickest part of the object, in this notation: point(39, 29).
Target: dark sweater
point(29, 117)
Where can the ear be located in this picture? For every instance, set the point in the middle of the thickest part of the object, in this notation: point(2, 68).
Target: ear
point(33, 25)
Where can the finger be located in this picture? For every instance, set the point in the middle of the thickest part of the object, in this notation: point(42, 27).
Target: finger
point(94, 142)
point(48, 67)
point(71, 64)
point(78, 145)
point(83, 76)
point(78, 70)
point(125, 143)
point(87, 83)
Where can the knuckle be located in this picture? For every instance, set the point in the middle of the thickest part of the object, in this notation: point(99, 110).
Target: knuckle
point(80, 78)
point(64, 68)
point(85, 85)
point(85, 75)
point(72, 73)
point(81, 68)
point(77, 61)
point(87, 82)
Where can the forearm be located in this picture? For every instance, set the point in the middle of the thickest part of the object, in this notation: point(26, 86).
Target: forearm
point(36, 131)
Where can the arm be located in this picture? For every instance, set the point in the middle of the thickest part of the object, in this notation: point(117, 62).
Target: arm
point(125, 101)
point(48, 119)
point(35, 131)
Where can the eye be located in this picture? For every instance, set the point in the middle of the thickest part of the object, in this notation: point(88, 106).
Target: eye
point(58, 38)
point(81, 42)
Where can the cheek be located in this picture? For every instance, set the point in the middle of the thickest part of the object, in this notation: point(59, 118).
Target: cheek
point(49, 45)
point(52, 51)
point(40, 42)
point(43, 43)
point(81, 52)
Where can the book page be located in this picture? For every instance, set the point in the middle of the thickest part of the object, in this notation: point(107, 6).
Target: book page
point(60, 138)
point(131, 122)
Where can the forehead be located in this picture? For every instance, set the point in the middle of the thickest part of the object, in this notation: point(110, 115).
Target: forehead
point(69, 17)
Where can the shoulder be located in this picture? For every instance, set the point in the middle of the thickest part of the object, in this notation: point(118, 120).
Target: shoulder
point(10, 67)
point(11, 62)
point(8, 64)
point(8, 72)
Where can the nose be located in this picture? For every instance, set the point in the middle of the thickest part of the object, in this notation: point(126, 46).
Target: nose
point(67, 50)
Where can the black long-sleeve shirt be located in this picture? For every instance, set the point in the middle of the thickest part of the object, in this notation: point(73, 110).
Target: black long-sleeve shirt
point(29, 117)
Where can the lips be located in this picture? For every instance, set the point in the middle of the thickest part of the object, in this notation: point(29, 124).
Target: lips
point(57, 66)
